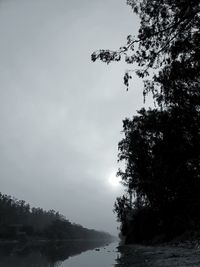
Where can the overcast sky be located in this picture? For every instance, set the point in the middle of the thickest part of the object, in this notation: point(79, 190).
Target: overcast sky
point(60, 114)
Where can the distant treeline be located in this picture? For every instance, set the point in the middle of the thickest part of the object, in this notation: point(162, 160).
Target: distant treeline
point(19, 221)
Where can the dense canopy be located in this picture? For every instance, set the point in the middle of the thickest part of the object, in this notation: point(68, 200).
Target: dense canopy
point(161, 146)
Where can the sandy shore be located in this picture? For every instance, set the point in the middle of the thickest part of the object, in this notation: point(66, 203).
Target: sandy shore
point(158, 256)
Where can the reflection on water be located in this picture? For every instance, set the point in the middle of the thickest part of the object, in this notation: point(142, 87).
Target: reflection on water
point(53, 254)
point(104, 257)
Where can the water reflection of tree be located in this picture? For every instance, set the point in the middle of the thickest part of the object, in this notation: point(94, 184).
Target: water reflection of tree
point(45, 254)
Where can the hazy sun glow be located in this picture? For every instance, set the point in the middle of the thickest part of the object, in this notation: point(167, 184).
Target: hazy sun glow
point(113, 180)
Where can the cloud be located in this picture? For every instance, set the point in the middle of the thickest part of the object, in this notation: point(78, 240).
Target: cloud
point(60, 114)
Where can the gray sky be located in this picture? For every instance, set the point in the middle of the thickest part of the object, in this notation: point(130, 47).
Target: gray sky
point(60, 114)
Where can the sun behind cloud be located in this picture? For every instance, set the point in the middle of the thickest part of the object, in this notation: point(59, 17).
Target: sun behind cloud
point(113, 180)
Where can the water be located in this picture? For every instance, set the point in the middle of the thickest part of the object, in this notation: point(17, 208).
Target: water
point(62, 254)
point(104, 257)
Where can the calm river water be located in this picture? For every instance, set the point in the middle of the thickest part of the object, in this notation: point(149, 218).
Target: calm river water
point(62, 254)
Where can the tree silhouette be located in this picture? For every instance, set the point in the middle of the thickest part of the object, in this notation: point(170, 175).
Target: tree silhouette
point(161, 146)
point(167, 41)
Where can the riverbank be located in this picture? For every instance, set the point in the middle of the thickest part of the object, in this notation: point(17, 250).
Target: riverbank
point(159, 256)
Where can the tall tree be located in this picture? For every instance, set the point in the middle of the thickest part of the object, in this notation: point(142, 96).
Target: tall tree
point(161, 146)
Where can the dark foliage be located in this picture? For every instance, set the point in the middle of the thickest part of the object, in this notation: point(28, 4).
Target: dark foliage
point(19, 221)
point(161, 151)
point(167, 41)
point(161, 147)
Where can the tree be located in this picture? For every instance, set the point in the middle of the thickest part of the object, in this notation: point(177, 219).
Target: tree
point(167, 41)
point(161, 146)
point(160, 157)
point(161, 154)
